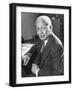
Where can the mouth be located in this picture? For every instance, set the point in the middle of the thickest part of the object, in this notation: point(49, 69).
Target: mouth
point(41, 36)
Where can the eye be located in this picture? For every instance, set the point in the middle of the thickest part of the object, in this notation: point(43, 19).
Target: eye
point(44, 28)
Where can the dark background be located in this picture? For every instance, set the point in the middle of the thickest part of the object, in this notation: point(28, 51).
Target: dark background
point(29, 30)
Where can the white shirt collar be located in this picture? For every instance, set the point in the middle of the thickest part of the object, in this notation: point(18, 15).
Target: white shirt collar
point(46, 41)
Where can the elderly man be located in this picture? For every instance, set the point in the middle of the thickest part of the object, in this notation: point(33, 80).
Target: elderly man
point(48, 60)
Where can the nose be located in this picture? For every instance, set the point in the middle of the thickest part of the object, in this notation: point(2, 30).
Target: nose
point(40, 31)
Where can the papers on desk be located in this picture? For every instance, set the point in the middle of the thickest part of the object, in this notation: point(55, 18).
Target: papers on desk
point(25, 48)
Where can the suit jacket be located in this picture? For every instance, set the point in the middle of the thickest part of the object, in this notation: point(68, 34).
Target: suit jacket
point(51, 60)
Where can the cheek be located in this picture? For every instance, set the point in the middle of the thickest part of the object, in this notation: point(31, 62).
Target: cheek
point(38, 33)
point(46, 32)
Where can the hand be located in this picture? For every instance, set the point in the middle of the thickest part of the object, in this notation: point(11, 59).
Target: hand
point(34, 68)
point(25, 59)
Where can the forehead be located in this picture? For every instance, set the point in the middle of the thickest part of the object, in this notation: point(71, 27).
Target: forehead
point(41, 22)
point(41, 27)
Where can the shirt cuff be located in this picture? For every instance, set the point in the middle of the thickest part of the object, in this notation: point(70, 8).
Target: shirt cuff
point(37, 72)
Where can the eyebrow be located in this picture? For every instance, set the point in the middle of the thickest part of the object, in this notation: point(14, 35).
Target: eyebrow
point(44, 22)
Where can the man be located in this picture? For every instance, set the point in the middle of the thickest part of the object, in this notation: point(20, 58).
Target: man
point(48, 60)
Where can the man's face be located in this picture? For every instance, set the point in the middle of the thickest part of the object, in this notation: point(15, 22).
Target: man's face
point(43, 31)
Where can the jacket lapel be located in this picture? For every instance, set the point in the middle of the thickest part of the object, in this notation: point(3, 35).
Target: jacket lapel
point(46, 49)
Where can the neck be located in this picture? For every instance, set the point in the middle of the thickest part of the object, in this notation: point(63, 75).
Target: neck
point(48, 37)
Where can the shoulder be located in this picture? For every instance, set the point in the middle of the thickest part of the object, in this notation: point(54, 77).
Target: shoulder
point(36, 46)
point(56, 43)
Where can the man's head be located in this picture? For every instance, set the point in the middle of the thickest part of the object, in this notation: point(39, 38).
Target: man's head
point(43, 27)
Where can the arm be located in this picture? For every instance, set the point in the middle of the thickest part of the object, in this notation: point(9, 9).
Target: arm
point(28, 59)
point(28, 56)
point(58, 58)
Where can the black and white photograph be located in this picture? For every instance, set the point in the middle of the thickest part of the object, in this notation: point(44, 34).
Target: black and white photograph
point(41, 44)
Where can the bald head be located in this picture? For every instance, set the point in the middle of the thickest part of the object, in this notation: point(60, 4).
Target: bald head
point(45, 20)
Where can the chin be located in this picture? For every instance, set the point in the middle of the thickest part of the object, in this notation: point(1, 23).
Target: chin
point(42, 38)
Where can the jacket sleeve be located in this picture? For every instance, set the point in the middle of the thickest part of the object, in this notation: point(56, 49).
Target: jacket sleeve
point(58, 58)
point(32, 53)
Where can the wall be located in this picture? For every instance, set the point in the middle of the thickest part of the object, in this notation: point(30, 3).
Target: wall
point(28, 27)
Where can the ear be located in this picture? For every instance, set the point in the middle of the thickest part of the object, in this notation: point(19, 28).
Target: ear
point(51, 28)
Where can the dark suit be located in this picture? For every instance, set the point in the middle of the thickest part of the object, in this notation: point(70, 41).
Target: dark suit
point(50, 61)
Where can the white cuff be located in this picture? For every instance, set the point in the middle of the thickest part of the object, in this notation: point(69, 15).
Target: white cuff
point(37, 72)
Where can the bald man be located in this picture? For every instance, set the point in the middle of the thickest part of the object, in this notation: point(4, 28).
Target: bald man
point(48, 53)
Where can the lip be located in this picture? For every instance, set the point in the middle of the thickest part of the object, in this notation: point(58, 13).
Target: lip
point(41, 35)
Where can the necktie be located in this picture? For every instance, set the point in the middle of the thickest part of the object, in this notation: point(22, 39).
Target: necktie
point(43, 46)
point(38, 59)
